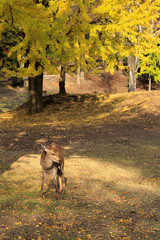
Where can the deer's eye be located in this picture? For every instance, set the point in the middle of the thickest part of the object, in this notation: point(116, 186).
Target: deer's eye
point(53, 154)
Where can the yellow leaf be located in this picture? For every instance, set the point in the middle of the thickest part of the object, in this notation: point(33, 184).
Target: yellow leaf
point(18, 223)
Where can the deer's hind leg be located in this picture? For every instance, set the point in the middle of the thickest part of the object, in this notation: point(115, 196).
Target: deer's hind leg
point(61, 180)
point(60, 184)
point(57, 187)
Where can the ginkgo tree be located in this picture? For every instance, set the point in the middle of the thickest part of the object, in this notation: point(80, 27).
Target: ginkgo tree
point(56, 28)
point(150, 63)
point(75, 43)
point(31, 19)
point(125, 27)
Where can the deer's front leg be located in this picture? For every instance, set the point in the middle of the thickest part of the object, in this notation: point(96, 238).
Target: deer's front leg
point(43, 177)
point(56, 182)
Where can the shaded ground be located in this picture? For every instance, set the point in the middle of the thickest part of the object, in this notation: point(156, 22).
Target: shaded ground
point(112, 164)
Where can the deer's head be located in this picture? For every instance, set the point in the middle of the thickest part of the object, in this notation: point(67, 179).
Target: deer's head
point(51, 153)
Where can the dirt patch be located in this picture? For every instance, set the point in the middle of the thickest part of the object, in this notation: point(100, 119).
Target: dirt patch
point(99, 83)
point(102, 83)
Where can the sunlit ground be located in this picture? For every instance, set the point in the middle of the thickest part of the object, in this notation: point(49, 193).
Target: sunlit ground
point(104, 200)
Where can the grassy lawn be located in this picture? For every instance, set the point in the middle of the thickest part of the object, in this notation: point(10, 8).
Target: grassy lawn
point(111, 164)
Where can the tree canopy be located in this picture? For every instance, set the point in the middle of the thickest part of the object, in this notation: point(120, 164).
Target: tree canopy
point(31, 21)
point(79, 32)
point(126, 30)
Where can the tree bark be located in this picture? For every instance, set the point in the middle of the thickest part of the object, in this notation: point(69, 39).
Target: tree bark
point(35, 94)
point(132, 81)
point(82, 76)
point(78, 76)
point(62, 89)
point(150, 84)
point(133, 63)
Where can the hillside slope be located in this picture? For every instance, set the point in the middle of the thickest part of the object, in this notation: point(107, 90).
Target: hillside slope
point(90, 108)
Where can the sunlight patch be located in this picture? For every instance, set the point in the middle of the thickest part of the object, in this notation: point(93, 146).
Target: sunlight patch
point(88, 171)
point(24, 168)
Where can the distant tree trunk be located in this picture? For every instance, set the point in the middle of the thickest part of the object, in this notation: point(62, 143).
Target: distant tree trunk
point(35, 85)
point(78, 76)
point(150, 83)
point(62, 89)
point(82, 76)
point(133, 63)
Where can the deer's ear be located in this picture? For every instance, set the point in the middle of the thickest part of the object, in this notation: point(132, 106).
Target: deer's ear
point(44, 147)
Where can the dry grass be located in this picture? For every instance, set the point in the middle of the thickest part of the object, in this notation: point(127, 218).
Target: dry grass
point(85, 109)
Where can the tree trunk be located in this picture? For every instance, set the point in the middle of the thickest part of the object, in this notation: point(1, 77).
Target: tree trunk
point(78, 76)
point(150, 84)
point(132, 81)
point(82, 76)
point(133, 63)
point(62, 89)
point(35, 94)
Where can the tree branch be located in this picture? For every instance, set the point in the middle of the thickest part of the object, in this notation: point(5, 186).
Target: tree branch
point(10, 8)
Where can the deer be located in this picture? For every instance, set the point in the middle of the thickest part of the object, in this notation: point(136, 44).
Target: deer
point(52, 162)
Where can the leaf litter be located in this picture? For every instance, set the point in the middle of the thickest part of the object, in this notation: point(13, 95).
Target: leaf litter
point(111, 163)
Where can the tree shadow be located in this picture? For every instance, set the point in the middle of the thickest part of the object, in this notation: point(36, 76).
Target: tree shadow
point(106, 141)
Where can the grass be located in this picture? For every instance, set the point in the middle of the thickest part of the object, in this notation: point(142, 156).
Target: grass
point(111, 165)
point(11, 98)
point(103, 198)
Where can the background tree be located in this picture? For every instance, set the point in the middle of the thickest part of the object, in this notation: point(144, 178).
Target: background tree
point(73, 44)
point(150, 63)
point(59, 29)
point(32, 20)
point(125, 27)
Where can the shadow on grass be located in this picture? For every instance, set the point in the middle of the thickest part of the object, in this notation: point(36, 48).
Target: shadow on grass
point(119, 142)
